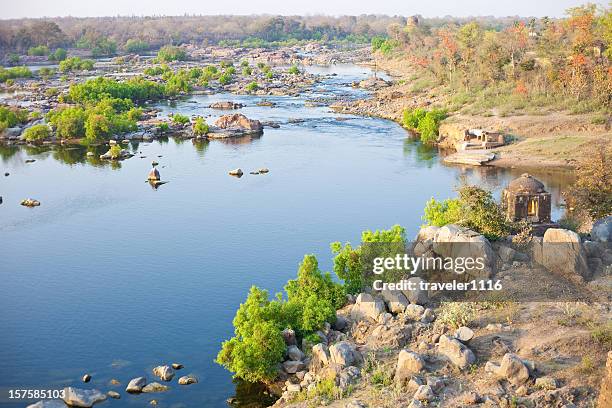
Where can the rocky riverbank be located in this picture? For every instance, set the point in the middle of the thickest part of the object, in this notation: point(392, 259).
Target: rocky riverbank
point(410, 349)
point(547, 139)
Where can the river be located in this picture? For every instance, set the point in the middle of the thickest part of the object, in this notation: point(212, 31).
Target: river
point(111, 277)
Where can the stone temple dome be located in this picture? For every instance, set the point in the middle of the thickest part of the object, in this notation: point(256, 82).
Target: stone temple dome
point(526, 184)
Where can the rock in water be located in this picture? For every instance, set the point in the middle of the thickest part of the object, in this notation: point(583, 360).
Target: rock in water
point(136, 384)
point(30, 202)
point(155, 387)
point(114, 394)
point(77, 397)
point(177, 366)
point(187, 379)
point(86, 378)
point(236, 172)
point(165, 373)
point(154, 175)
point(238, 121)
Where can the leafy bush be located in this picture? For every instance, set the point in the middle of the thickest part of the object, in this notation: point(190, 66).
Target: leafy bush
point(135, 89)
point(456, 314)
point(257, 347)
point(39, 50)
point(75, 64)
point(36, 133)
point(115, 151)
point(11, 116)
point(177, 83)
point(294, 70)
point(252, 87)
point(225, 78)
point(425, 122)
point(200, 127)
point(171, 53)
point(13, 73)
point(135, 45)
point(247, 71)
point(180, 119)
point(350, 263)
point(58, 55)
point(475, 208)
point(69, 122)
point(411, 118)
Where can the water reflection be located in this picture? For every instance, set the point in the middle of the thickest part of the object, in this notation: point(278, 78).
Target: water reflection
point(422, 154)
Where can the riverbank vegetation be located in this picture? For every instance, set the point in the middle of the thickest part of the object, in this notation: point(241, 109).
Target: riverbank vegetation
point(530, 66)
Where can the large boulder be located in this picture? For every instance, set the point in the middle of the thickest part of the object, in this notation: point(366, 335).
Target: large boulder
point(136, 384)
point(395, 300)
point(294, 353)
point(455, 351)
point(394, 336)
point(238, 121)
point(292, 367)
point(512, 368)
point(417, 296)
point(344, 354)
point(452, 241)
point(602, 230)
point(320, 355)
point(165, 372)
point(408, 364)
point(367, 307)
point(77, 397)
point(561, 251)
point(427, 233)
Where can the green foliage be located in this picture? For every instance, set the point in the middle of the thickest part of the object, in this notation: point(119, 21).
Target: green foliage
point(75, 64)
point(163, 127)
point(247, 71)
point(68, 122)
point(315, 294)
point(179, 119)
point(591, 194)
point(475, 208)
point(294, 70)
point(134, 114)
point(425, 122)
point(38, 51)
point(177, 83)
point(257, 347)
point(36, 133)
point(225, 78)
point(411, 118)
point(115, 151)
point(269, 75)
point(13, 58)
point(456, 314)
point(252, 87)
point(136, 89)
point(200, 127)
point(13, 73)
point(11, 116)
point(440, 213)
point(46, 72)
point(351, 263)
point(135, 45)
point(384, 45)
point(171, 53)
point(58, 55)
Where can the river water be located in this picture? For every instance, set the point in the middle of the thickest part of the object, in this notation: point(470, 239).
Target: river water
point(111, 277)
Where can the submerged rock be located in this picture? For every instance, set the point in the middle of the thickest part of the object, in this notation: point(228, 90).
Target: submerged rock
point(225, 105)
point(77, 397)
point(155, 387)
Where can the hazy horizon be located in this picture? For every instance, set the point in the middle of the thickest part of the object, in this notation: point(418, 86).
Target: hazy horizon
point(112, 8)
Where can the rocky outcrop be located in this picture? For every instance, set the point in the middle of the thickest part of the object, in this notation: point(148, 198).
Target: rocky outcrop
point(76, 397)
point(560, 251)
point(455, 242)
point(225, 105)
point(395, 300)
point(456, 352)
point(235, 125)
point(367, 307)
point(344, 354)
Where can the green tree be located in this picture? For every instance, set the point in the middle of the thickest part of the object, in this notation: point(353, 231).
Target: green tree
point(68, 122)
point(200, 127)
point(36, 133)
point(180, 119)
point(171, 53)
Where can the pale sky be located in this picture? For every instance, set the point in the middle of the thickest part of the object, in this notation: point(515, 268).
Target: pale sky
point(427, 8)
